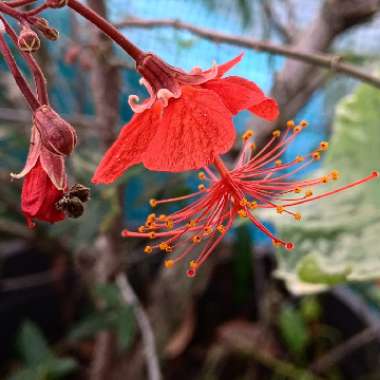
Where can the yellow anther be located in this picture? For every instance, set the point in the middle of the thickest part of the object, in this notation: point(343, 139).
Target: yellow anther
point(196, 239)
point(152, 235)
point(324, 179)
point(276, 243)
point(201, 187)
point(148, 224)
point(141, 229)
point(221, 228)
point(335, 175)
point(278, 162)
point(304, 123)
point(151, 217)
point(297, 190)
point(169, 264)
point(247, 135)
point(323, 145)
point(207, 230)
point(153, 202)
point(163, 246)
point(299, 159)
point(297, 129)
point(280, 209)
point(162, 218)
point(242, 213)
point(276, 133)
point(243, 202)
point(193, 264)
point(253, 146)
point(191, 223)
point(290, 124)
point(169, 224)
point(252, 205)
point(169, 249)
point(148, 249)
point(297, 216)
point(202, 176)
point(316, 156)
point(308, 193)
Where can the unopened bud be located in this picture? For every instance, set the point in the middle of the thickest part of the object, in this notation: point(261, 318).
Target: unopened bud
point(28, 40)
point(51, 34)
point(57, 135)
point(43, 26)
point(56, 3)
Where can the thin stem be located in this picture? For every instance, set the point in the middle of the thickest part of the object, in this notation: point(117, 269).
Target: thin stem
point(331, 62)
point(36, 10)
point(38, 75)
point(19, 3)
point(147, 335)
point(106, 28)
point(18, 76)
point(219, 165)
point(8, 10)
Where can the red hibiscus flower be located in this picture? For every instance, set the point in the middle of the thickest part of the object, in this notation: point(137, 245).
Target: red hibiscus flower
point(45, 178)
point(186, 120)
point(257, 181)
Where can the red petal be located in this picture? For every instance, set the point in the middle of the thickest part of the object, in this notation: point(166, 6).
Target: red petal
point(33, 155)
point(267, 109)
point(39, 197)
point(237, 93)
point(54, 166)
point(227, 66)
point(128, 148)
point(193, 128)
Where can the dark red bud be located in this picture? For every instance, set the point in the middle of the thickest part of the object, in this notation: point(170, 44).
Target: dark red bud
point(28, 40)
point(40, 22)
point(43, 26)
point(51, 34)
point(57, 135)
point(56, 3)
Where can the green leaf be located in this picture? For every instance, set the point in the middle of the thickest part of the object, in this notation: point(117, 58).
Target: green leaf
point(32, 345)
point(309, 270)
point(109, 294)
point(310, 309)
point(125, 327)
point(338, 238)
point(293, 330)
point(90, 326)
point(242, 264)
point(25, 374)
point(57, 368)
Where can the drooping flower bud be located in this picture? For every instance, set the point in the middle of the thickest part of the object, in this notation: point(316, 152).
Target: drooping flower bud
point(56, 3)
point(43, 26)
point(56, 134)
point(28, 40)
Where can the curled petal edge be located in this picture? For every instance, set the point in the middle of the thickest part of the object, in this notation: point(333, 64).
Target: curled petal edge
point(33, 155)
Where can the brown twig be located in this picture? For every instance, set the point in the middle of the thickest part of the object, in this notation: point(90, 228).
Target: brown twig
point(370, 333)
point(327, 61)
point(283, 29)
point(339, 352)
